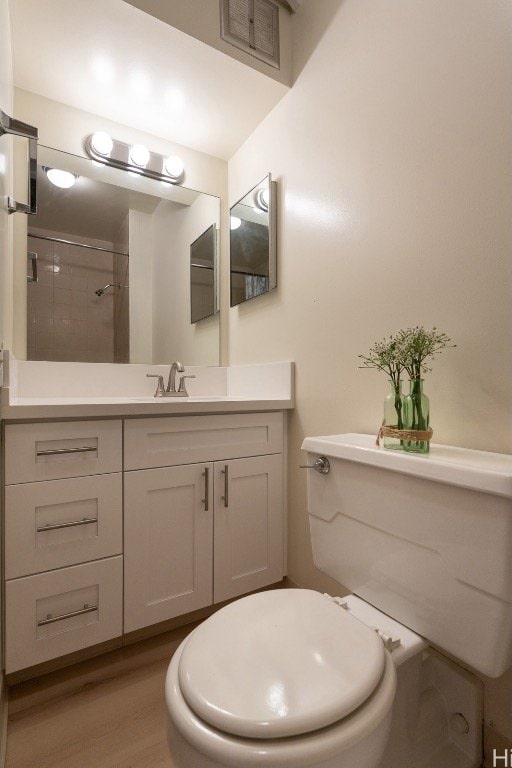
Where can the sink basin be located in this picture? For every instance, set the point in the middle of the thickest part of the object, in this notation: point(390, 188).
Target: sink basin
point(190, 398)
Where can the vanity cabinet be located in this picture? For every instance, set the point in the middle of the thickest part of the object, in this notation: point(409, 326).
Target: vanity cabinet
point(62, 538)
point(202, 521)
point(200, 533)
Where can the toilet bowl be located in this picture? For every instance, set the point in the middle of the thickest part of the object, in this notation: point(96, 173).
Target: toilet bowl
point(281, 678)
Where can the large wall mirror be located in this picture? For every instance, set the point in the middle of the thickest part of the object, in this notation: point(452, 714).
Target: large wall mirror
point(252, 243)
point(112, 254)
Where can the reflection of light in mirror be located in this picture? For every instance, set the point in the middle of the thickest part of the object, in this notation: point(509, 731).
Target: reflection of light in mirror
point(263, 199)
point(139, 155)
point(103, 70)
point(276, 700)
point(62, 179)
point(319, 658)
point(235, 222)
point(102, 143)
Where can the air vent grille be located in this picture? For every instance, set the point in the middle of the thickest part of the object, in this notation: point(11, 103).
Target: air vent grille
point(252, 26)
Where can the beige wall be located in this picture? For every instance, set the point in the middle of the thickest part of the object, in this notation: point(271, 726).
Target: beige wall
point(393, 157)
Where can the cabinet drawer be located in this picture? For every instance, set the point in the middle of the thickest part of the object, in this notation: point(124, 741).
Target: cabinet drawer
point(55, 613)
point(188, 439)
point(62, 522)
point(62, 449)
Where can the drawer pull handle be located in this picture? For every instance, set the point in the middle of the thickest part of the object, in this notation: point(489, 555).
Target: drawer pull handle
point(225, 498)
point(71, 524)
point(58, 451)
point(206, 475)
point(52, 619)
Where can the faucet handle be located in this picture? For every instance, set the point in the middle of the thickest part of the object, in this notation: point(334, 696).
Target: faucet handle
point(182, 387)
point(160, 390)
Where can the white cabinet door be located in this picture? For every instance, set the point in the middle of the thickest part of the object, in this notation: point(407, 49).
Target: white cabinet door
point(167, 543)
point(248, 528)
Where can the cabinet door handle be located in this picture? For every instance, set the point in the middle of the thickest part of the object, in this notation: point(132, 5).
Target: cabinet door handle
point(71, 524)
point(225, 498)
point(59, 451)
point(52, 619)
point(206, 475)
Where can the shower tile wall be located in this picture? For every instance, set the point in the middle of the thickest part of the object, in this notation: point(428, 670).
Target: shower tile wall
point(66, 321)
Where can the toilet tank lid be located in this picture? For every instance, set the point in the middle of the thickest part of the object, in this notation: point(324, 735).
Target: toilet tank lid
point(279, 663)
point(468, 468)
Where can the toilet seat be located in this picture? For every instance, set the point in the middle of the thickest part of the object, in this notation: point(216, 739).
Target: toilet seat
point(246, 670)
point(314, 741)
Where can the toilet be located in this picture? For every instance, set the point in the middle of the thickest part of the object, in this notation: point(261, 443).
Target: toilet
point(296, 678)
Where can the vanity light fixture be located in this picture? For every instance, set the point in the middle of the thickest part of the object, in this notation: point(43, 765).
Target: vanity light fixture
point(102, 143)
point(139, 155)
point(62, 179)
point(173, 167)
point(137, 159)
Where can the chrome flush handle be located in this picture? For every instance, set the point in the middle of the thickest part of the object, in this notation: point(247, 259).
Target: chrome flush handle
point(321, 465)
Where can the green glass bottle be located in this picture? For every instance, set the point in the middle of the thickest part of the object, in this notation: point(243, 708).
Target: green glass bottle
point(416, 416)
point(393, 414)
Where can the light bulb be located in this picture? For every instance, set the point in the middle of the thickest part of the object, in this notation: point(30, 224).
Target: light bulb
point(101, 143)
point(139, 155)
point(173, 166)
point(62, 179)
point(235, 222)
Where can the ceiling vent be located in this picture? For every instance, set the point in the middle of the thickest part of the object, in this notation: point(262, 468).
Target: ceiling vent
point(252, 26)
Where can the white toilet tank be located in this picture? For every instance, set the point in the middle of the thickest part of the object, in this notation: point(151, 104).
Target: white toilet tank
point(426, 539)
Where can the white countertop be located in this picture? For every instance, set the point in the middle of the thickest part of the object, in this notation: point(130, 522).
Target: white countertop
point(41, 390)
point(86, 407)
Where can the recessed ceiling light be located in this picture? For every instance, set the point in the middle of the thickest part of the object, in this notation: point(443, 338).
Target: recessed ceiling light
point(235, 222)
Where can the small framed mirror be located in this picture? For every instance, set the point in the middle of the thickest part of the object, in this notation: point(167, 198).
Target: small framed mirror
point(203, 275)
point(253, 261)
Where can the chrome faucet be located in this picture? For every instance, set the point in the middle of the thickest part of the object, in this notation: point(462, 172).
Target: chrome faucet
point(170, 390)
point(171, 382)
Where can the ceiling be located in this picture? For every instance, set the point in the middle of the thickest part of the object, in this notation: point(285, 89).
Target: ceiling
point(111, 59)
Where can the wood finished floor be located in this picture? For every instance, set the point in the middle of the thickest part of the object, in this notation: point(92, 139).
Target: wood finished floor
point(111, 714)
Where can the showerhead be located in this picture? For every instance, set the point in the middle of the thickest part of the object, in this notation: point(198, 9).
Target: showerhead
point(101, 291)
